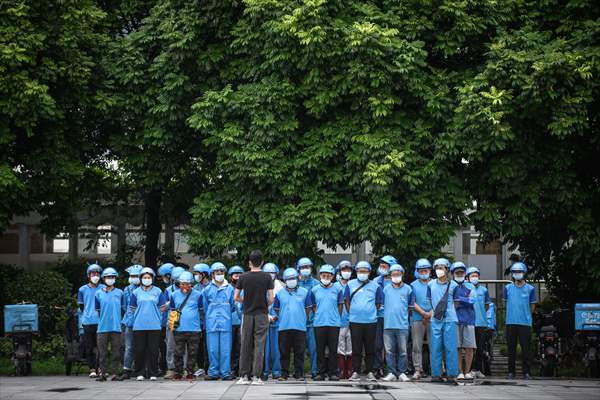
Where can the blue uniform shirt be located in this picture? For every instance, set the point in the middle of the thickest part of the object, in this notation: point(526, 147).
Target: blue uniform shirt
point(128, 317)
point(435, 292)
point(110, 306)
point(383, 283)
point(327, 301)
point(419, 296)
point(189, 320)
point(482, 297)
point(344, 318)
point(165, 314)
point(308, 284)
point(518, 303)
point(363, 308)
point(395, 301)
point(86, 295)
point(218, 307)
point(465, 309)
point(291, 307)
point(146, 306)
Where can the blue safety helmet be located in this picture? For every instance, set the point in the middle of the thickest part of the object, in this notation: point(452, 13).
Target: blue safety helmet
point(218, 266)
point(176, 273)
point(458, 265)
point(470, 270)
point(186, 277)
point(389, 260)
point(396, 267)
point(422, 263)
point(110, 271)
point(442, 261)
point(271, 268)
point(327, 268)
point(93, 268)
point(134, 269)
point(518, 267)
point(362, 264)
point(290, 273)
point(236, 269)
point(147, 270)
point(202, 268)
point(166, 269)
point(343, 264)
point(304, 262)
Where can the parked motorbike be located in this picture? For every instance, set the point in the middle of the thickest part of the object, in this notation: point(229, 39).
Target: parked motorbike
point(21, 323)
point(548, 345)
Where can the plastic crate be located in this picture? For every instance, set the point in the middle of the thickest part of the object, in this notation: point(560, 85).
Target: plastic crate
point(20, 318)
point(587, 317)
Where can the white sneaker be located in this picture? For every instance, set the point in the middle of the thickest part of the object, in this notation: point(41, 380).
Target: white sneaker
point(416, 376)
point(199, 372)
point(404, 378)
point(257, 381)
point(152, 378)
point(478, 374)
point(243, 381)
point(140, 378)
point(389, 377)
point(354, 377)
point(93, 374)
point(371, 377)
point(460, 376)
point(468, 375)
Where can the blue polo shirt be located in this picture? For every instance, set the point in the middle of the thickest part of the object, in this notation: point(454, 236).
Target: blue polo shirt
point(363, 307)
point(465, 308)
point(482, 297)
point(518, 303)
point(327, 301)
point(189, 320)
point(419, 296)
point(128, 316)
point(291, 307)
point(110, 305)
point(344, 318)
point(218, 307)
point(435, 292)
point(396, 302)
point(146, 308)
point(383, 283)
point(308, 284)
point(86, 295)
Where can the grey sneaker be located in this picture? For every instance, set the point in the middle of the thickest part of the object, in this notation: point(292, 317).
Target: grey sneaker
point(371, 377)
point(257, 381)
point(354, 377)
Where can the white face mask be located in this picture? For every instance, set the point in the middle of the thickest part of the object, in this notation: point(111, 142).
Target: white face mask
point(396, 279)
point(166, 280)
point(94, 279)
point(440, 273)
point(219, 278)
point(134, 280)
point(109, 281)
point(273, 276)
point(346, 274)
point(325, 281)
point(474, 281)
point(197, 278)
point(518, 276)
point(146, 281)
point(459, 279)
point(305, 272)
point(291, 283)
point(363, 276)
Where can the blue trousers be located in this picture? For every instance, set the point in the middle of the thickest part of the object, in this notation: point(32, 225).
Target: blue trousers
point(443, 339)
point(272, 361)
point(378, 361)
point(311, 346)
point(128, 354)
point(219, 353)
point(395, 350)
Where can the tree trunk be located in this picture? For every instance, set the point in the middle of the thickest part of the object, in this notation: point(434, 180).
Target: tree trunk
point(153, 227)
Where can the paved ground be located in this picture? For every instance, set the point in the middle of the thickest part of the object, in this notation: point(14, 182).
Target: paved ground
point(65, 388)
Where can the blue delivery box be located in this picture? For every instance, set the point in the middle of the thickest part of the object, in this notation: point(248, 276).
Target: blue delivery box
point(20, 318)
point(587, 317)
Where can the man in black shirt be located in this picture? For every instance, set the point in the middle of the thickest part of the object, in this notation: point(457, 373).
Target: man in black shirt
point(258, 296)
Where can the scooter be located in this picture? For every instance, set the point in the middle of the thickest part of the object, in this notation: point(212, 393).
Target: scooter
point(587, 325)
point(20, 323)
point(548, 346)
point(591, 356)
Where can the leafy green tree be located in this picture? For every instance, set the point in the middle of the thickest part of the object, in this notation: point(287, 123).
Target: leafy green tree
point(527, 123)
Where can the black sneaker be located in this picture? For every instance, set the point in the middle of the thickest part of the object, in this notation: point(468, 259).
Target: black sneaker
point(211, 378)
point(283, 378)
point(510, 376)
point(126, 374)
point(527, 377)
point(334, 378)
point(437, 379)
point(298, 377)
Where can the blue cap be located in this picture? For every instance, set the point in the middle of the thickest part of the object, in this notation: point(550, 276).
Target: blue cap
point(176, 273)
point(186, 277)
point(362, 264)
point(442, 261)
point(218, 266)
point(110, 271)
point(470, 270)
point(458, 265)
point(304, 262)
point(396, 267)
point(389, 260)
point(236, 269)
point(134, 269)
point(93, 268)
point(166, 269)
point(289, 273)
point(147, 270)
point(343, 264)
point(518, 267)
point(422, 263)
point(271, 268)
point(202, 267)
point(327, 268)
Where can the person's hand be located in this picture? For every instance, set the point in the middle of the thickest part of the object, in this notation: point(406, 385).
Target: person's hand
point(271, 319)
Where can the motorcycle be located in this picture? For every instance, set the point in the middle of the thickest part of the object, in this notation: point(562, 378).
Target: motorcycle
point(587, 325)
point(21, 323)
point(548, 345)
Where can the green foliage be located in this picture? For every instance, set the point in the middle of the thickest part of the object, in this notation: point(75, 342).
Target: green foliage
point(49, 290)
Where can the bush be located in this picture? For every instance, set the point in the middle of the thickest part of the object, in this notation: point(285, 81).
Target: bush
point(49, 290)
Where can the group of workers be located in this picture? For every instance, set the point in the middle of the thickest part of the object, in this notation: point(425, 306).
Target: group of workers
point(184, 324)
